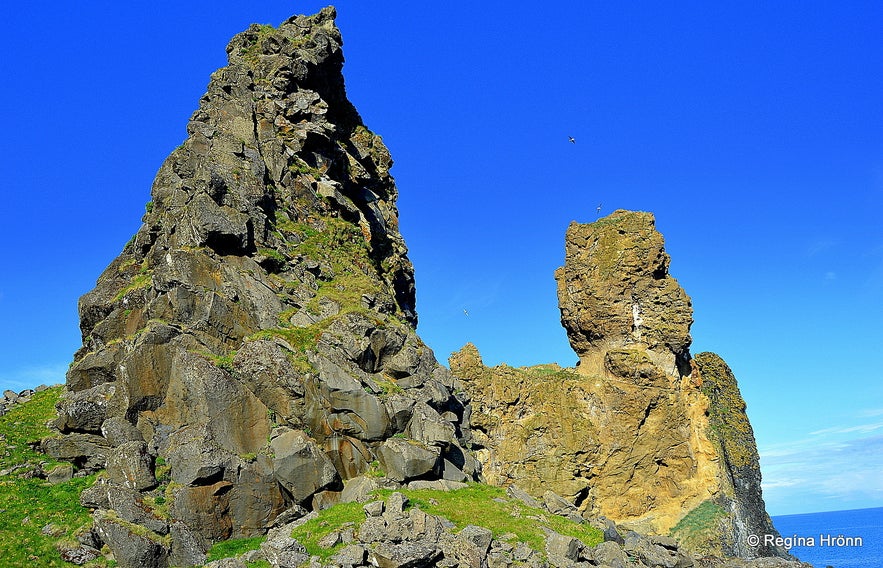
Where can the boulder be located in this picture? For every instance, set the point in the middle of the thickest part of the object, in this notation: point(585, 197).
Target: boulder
point(130, 465)
point(188, 546)
point(78, 555)
point(132, 547)
point(84, 411)
point(300, 466)
point(205, 509)
point(353, 555)
point(560, 547)
point(279, 549)
point(129, 506)
point(85, 451)
point(117, 430)
point(358, 489)
point(60, 474)
point(403, 555)
point(404, 460)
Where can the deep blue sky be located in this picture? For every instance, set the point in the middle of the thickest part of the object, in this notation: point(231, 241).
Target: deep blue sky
point(753, 132)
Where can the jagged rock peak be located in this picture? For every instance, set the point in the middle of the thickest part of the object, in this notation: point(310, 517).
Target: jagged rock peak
point(639, 432)
point(254, 345)
point(615, 292)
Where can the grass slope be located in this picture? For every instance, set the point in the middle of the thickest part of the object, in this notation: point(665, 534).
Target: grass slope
point(29, 505)
point(477, 504)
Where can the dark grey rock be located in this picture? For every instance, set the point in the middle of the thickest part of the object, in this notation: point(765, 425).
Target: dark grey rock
point(129, 506)
point(372, 529)
point(428, 427)
point(131, 548)
point(561, 547)
point(78, 555)
point(481, 537)
point(84, 411)
point(403, 460)
point(650, 554)
point(60, 474)
point(289, 515)
point(609, 554)
point(556, 504)
point(283, 551)
point(427, 528)
point(87, 451)
point(353, 554)
point(188, 547)
point(130, 465)
point(117, 430)
point(517, 493)
point(403, 555)
point(227, 563)
point(396, 503)
point(374, 508)
point(300, 466)
point(358, 489)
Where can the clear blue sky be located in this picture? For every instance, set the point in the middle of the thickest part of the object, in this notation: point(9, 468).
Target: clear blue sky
point(754, 132)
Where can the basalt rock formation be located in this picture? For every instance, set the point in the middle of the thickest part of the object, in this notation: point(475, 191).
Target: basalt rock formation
point(254, 344)
point(640, 432)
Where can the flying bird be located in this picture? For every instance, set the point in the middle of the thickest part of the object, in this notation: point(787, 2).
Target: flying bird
point(572, 139)
point(598, 209)
point(465, 313)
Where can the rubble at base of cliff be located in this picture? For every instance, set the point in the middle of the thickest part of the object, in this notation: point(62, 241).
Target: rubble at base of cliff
point(396, 535)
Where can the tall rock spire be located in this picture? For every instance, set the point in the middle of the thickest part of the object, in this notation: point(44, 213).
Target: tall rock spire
point(639, 432)
point(253, 346)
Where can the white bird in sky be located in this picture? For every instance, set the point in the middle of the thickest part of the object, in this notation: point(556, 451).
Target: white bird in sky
point(465, 313)
point(572, 139)
point(599, 209)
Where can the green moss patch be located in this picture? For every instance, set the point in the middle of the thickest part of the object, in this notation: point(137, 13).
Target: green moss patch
point(700, 526)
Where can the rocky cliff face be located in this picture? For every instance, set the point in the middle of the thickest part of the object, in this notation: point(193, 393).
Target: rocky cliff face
point(639, 432)
point(253, 346)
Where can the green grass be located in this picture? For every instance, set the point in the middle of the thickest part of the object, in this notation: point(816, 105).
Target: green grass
point(27, 505)
point(489, 507)
point(301, 167)
point(234, 547)
point(143, 279)
point(476, 504)
point(328, 520)
point(700, 525)
point(272, 253)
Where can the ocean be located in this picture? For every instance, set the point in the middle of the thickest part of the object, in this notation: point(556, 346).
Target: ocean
point(842, 539)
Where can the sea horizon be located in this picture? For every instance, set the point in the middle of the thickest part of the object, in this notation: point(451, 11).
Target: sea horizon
point(847, 538)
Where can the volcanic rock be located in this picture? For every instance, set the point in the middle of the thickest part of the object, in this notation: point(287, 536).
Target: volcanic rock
point(639, 432)
point(256, 338)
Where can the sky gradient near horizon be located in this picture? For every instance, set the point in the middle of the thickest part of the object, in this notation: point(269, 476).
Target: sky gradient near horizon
point(753, 132)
